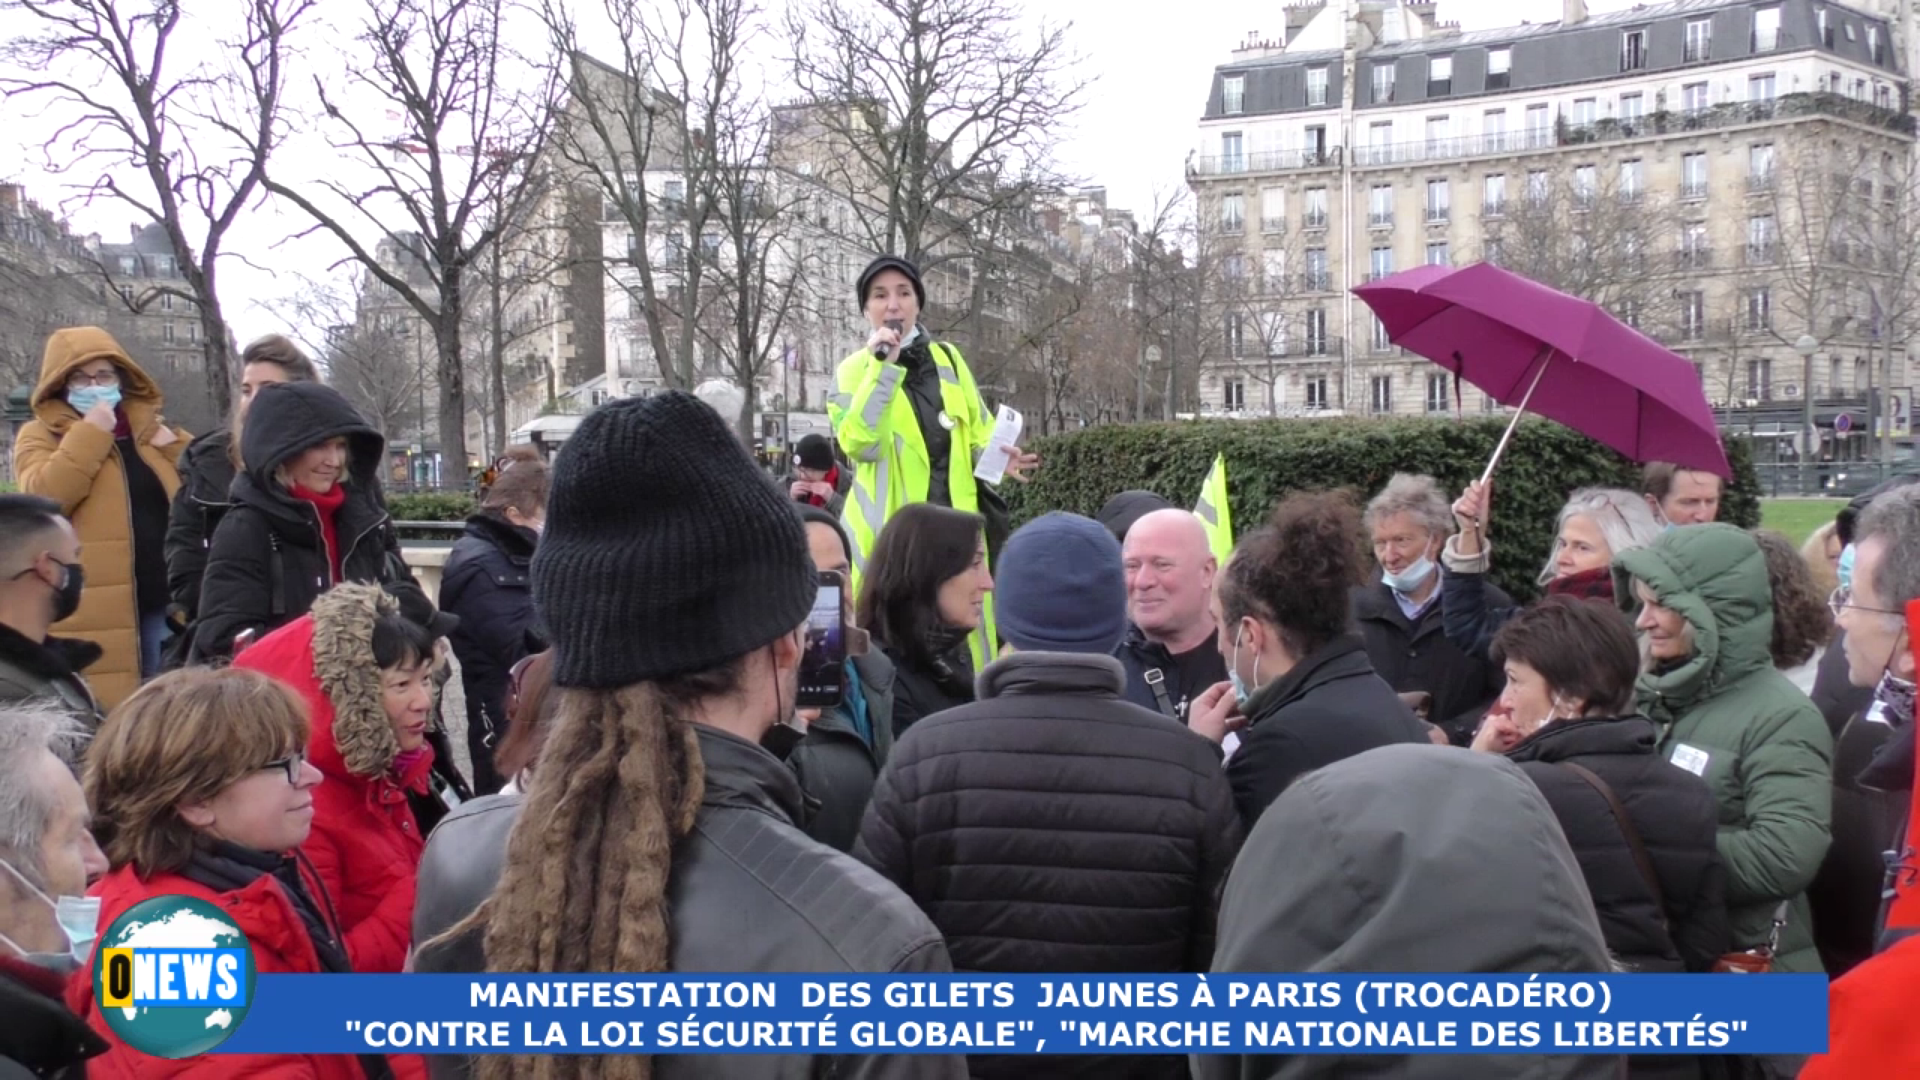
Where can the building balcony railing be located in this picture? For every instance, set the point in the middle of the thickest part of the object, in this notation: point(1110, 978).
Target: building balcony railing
point(1233, 226)
point(1663, 122)
point(1438, 215)
point(1265, 161)
point(1380, 219)
point(1314, 219)
point(1377, 275)
point(1760, 182)
point(1308, 347)
point(1763, 254)
point(1273, 224)
point(1699, 258)
point(1320, 281)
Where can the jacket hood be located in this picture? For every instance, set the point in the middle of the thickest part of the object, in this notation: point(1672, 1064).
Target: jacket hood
point(1631, 735)
point(327, 656)
point(287, 418)
point(1363, 866)
point(76, 345)
point(1048, 673)
point(1715, 577)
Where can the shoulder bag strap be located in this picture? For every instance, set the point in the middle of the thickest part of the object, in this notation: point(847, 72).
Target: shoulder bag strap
point(1640, 857)
point(276, 577)
point(1157, 679)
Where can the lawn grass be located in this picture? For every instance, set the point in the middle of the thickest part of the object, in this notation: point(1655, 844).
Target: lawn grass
point(1797, 518)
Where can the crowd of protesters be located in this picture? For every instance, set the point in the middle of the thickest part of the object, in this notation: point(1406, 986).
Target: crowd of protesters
point(1344, 749)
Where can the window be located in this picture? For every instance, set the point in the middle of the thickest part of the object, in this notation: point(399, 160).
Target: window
point(126, 293)
point(1439, 201)
point(1494, 124)
point(1492, 251)
point(193, 332)
point(1693, 176)
point(1381, 342)
point(1317, 392)
point(1693, 315)
point(166, 301)
point(1233, 95)
point(1439, 394)
point(1233, 212)
point(1630, 313)
point(1233, 157)
point(1273, 209)
point(1694, 252)
point(1834, 374)
point(1693, 97)
point(1439, 254)
point(1760, 87)
point(1760, 167)
point(1499, 68)
point(1630, 180)
point(1233, 394)
point(1316, 149)
point(1380, 394)
point(1273, 330)
point(1760, 378)
point(1380, 206)
point(1632, 108)
point(1873, 45)
point(1760, 239)
point(1316, 217)
point(1539, 126)
point(1538, 186)
point(1234, 266)
point(1766, 29)
point(1760, 309)
point(676, 251)
point(1380, 261)
point(710, 245)
point(1820, 23)
point(1493, 195)
point(1882, 95)
point(1699, 41)
point(1234, 338)
point(1316, 331)
point(1316, 86)
point(1859, 89)
point(1317, 269)
point(1439, 76)
point(1584, 112)
point(167, 332)
point(1379, 142)
point(1273, 269)
point(1437, 136)
point(1382, 82)
point(1633, 50)
point(675, 192)
point(1586, 182)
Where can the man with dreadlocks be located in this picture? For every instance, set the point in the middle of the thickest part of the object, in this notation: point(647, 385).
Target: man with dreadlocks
point(660, 834)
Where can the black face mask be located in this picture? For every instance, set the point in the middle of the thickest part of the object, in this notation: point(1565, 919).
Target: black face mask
point(785, 734)
point(66, 598)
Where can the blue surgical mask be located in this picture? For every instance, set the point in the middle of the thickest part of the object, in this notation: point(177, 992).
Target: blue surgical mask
point(1846, 567)
point(79, 919)
point(1241, 692)
point(86, 397)
point(1408, 581)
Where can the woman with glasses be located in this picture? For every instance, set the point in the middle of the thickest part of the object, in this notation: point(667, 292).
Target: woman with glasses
point(200, 787)
point(98, 446)
point(1594, 527)
point(1728, 716)
point(366, 673)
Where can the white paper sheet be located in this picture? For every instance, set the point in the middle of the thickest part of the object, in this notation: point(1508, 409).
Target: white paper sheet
point(1006, 432)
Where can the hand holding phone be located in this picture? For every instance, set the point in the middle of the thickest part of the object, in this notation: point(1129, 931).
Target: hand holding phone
point(823, 664)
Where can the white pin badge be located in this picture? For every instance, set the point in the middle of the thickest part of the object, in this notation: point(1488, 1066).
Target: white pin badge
point(945, 420)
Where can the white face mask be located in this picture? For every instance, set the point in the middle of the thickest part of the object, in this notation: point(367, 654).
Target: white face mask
point(1408, 581)
point(79, 919)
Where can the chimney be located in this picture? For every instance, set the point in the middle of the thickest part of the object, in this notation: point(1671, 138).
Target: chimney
point(11, 196)
point(1573, 12)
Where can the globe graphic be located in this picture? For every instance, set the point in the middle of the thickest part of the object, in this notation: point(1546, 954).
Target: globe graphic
point(180, 922)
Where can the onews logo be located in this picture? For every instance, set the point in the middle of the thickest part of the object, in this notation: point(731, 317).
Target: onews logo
point(174, 976)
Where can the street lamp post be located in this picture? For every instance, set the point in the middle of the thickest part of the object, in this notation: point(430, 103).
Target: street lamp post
point(1806, 347)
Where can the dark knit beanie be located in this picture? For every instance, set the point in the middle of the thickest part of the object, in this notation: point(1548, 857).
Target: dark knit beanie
point(1060, 587)
point(666, 551)
point(1121, 511)
point(889, 262)
point(814, 452)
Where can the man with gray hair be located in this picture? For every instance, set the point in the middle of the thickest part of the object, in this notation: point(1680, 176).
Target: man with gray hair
point(47, 860)
point(40, 583)
point(1399, 617)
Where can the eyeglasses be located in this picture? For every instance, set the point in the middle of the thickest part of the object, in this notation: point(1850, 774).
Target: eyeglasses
point(515, 677)
point(1842, 599)
point(291, 765)
point(106, 378)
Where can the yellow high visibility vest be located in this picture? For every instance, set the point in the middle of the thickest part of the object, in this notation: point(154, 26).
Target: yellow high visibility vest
point(875, 424)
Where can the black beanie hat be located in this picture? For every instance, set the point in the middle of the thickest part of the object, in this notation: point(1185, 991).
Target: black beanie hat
point(814, 452)
point(889, 262)
point(666, 552)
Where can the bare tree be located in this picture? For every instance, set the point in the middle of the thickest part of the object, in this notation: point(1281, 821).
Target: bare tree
point(185, 144)
point(938, 113)
point(366, 354)
point(1883, 245)
point(513, 279)
point(472, 115)
point(1160, 281)
point(1590, 232)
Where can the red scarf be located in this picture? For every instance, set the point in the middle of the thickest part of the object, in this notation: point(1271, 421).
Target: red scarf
point(832, 480)
point(327, 505)
point(1585, 585)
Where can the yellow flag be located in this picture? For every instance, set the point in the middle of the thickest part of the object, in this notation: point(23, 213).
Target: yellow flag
point(1213, 511)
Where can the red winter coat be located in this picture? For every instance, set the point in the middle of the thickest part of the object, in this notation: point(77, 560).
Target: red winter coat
point(365, 843)
point(1870, 1028)
point(281, 946)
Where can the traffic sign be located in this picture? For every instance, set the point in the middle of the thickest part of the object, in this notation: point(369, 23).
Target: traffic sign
point(1843, 423)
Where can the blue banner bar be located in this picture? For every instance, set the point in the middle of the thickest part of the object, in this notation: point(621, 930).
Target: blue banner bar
point(1036, 1014)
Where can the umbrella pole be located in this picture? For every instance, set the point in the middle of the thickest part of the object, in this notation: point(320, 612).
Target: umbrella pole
point(1546, 354)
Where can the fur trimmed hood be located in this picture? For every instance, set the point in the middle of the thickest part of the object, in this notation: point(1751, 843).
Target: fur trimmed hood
point(327, 655)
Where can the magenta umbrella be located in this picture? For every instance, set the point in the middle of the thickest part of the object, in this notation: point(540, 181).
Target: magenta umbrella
point(1542, 351)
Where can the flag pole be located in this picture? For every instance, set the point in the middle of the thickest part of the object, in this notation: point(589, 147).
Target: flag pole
point(1546, 355)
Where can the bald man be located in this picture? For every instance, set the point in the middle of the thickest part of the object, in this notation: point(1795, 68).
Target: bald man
point(1170, 653)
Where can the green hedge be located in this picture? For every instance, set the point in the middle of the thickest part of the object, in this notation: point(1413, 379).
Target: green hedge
point(431, 506)
point(1266, 459)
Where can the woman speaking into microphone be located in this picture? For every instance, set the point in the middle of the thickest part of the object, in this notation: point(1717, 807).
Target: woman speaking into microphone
point(907, 413)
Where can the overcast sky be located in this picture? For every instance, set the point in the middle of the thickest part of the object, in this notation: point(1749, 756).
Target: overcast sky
point(1150, 79)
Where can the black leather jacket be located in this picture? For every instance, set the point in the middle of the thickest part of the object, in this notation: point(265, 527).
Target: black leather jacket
point(749, 892)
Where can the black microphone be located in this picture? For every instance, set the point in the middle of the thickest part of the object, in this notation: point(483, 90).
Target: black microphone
point(881, 350)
